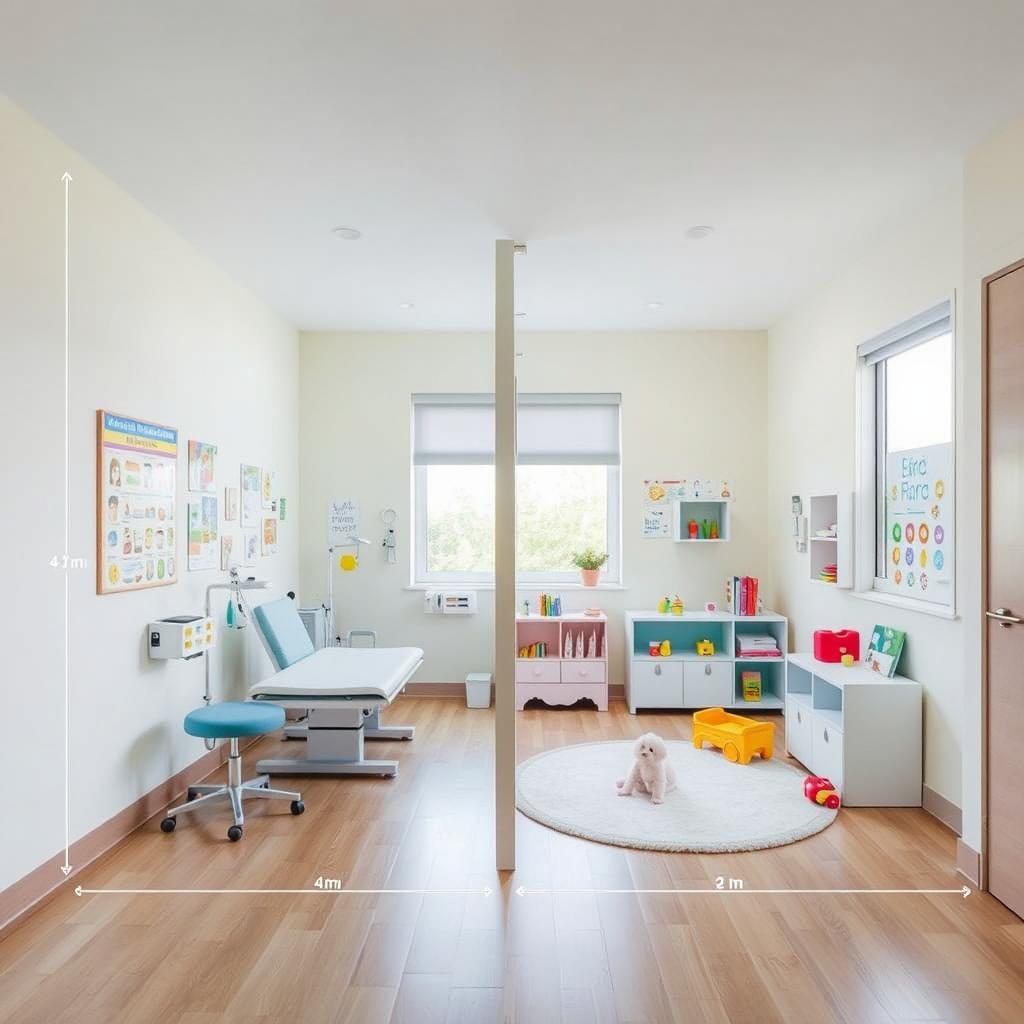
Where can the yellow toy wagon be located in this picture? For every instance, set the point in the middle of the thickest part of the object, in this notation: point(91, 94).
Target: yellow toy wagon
point(738, 738)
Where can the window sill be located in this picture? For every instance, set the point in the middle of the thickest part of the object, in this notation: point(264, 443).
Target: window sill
point(538, 586)
point(906, 603)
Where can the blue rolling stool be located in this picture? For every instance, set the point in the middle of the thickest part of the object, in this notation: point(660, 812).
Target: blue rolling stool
point(231, 720)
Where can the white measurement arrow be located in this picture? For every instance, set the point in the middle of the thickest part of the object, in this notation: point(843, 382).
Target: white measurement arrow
point(964, 891)
point(486, 891)
point(66, 866)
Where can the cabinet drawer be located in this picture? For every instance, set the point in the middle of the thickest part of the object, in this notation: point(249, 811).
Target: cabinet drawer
point(583, 671)
point(707, 684)
point(656, 684)
point(537, 670)
point(827, 751)
point(799, 726)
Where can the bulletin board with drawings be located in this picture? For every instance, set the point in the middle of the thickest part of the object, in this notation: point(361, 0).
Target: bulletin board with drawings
point(136, 465)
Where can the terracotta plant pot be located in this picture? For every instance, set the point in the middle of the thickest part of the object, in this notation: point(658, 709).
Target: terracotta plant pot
point(590, 577)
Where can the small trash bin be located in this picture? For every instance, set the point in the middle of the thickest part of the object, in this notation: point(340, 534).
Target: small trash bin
point(478, 690)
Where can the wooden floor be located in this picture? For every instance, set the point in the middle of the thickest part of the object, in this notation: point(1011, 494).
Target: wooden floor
point(273, 959)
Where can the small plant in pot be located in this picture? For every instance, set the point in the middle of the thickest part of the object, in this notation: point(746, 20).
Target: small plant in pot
point(589, 563)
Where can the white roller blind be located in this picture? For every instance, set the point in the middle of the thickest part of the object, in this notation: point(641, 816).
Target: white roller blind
point(932, 323)
point(554, 430)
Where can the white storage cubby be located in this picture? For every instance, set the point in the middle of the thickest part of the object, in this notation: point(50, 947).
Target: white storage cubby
point(826, 511)
point(686, 679)
point(857, 728)
point(712, 510)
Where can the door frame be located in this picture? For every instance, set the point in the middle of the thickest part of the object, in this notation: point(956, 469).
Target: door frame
point(985, 547)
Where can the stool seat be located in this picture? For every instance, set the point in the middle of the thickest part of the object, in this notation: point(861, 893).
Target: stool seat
point(234, 718)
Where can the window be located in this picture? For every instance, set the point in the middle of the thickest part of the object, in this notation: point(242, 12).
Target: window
point(909, 383)
point(567, 486)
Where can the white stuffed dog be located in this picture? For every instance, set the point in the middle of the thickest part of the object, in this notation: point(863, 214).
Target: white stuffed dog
point(652, 772)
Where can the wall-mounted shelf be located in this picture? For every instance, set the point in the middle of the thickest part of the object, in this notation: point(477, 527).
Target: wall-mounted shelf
point(713, 510)
point(831, 514)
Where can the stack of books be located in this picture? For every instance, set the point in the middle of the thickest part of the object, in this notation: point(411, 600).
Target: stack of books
point(829, 573)
point(757, 645)
point(743, 595)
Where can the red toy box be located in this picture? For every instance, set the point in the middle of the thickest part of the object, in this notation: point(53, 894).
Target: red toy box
point(831, 644)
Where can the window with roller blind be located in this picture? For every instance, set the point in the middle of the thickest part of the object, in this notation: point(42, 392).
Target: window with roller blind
point(567, 486)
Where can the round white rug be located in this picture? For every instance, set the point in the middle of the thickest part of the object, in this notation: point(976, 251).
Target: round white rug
point(717, 807)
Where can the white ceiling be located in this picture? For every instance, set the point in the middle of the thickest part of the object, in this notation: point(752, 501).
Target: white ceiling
point(596, 131)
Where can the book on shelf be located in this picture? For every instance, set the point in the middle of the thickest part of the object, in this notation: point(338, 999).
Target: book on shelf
point(757, 645)
point(743, 595)
point(751, 685)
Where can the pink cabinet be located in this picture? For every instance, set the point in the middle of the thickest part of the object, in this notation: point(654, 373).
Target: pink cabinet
point(548, 674)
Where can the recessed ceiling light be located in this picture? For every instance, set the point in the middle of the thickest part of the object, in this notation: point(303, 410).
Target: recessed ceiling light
point(348, 234)
point(407, 305)
point(699, 231)
point(654, 305)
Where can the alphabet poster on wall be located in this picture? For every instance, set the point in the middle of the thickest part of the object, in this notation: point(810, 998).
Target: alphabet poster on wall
point(919, 521)
point(137, 467)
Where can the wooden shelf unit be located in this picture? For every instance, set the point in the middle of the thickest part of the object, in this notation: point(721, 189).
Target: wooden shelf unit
point(555, 679)
point(687, 680)
point(827, 510)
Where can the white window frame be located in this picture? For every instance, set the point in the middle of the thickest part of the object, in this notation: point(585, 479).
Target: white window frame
point(871, 454)
point(611, 575)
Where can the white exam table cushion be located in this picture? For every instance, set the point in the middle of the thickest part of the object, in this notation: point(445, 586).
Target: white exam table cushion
point(343, 673)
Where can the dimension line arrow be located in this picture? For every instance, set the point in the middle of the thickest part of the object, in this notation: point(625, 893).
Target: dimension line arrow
point(66, 866)
point(486, 891)
point(963, 892)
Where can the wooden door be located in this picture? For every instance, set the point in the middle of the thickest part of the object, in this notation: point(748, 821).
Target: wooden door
point(1004, 552)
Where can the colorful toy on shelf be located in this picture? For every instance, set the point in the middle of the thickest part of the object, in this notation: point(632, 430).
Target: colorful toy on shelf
point(751, 681)
point(847, 660)
point(832, 644)
point(677, 605)
point(714, 529)
point(737, 737)
point(666, 648)
point(693, 529)
point(654, 648)
point(819, 790)
point(664, 606)
point(705, 648)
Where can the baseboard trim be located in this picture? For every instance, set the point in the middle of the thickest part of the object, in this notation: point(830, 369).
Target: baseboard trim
point(42, 884)
point(945, 810)
point(616, 691)
point(968, 862)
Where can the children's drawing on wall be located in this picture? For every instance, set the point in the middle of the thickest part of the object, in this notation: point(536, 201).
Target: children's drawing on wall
point(282, 509)
point(250, 547)
point(135, 521)
point(201, 459)
point(230, 504)
point(203, 548)
point(227, 543)
point(269, 536)
point(252, 499)
point(919, 521)
point(267, 487)
point(657, 510)
point(342, 520)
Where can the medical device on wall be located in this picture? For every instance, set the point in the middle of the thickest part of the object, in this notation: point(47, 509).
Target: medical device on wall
point(388, 517)
point(450, 602)
point(799, 522)
point(181, 636)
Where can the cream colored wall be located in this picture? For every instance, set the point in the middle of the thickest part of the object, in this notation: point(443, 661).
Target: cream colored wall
point(914, 264)
point(157, 332)
point(993, 225)
point(692, 403)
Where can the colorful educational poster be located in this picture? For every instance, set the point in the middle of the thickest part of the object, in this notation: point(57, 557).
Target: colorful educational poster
point(252, 496)
point(201, 459)
point(269, 534)
point(919, 522)
point(282, 509)
point(267, 487)
point(884, 650)
point(342, 520)
point(203, 548)
point(250, 547)
point(227, 543)
point(230, 504)
point(137, 467)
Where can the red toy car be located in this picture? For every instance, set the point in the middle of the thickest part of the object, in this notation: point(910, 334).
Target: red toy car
point(820, 791)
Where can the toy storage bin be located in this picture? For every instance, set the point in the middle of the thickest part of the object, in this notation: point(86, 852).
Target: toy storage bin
point(478, 690)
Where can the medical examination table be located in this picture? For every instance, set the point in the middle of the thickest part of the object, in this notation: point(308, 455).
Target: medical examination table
point(343, 689)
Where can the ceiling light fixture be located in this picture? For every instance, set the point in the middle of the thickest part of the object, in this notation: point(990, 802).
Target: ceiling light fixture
point(348, 234)
point(699, 231)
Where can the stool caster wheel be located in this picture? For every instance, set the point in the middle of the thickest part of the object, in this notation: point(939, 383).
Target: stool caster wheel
point(167, 825)
point(235, 833)
point(298, 807)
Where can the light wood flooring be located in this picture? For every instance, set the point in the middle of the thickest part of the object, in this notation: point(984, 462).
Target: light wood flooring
point(274, 959)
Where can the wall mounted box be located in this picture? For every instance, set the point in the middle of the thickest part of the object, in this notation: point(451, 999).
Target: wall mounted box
point(181, 636)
